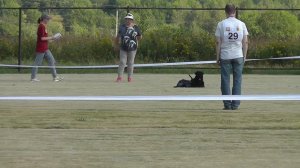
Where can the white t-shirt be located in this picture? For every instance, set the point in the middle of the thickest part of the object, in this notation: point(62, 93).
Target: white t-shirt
point(231, 31)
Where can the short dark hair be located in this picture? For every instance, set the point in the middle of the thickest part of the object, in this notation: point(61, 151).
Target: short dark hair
point(230, 9)
point(43, 17)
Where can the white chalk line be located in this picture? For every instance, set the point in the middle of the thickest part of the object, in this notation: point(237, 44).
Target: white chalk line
point(155, 98)
point(142, 65)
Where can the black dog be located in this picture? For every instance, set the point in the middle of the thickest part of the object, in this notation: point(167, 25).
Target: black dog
point(194, 82)
point(198, 80)
point(184, 83)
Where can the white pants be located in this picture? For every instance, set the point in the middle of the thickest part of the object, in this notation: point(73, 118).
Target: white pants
point(126, 57)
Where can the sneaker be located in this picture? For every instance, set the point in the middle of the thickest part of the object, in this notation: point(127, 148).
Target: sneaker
point(35, 80)
point(58, 78)
point(129, 79)
point(226, 108)
point(119, 79)
point(234, 108)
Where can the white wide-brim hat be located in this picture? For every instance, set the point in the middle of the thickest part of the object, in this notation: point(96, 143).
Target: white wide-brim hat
point(129, 16)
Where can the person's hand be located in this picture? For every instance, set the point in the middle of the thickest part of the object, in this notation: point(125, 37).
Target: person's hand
point(219, 62)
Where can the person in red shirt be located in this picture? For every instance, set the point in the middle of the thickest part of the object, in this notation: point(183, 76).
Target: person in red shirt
point(42, 50)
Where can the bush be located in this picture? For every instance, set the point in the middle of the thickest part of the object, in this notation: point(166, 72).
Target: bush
point(84, 50)
point(166, 43)
point(279, 25)
point(170, 43)
point(277, 49)
point(8, 49)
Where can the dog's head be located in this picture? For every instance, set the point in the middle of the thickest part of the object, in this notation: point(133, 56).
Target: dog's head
point(199, 74)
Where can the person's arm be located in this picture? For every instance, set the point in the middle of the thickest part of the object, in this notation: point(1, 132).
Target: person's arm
point(245, 47)
point(218, 43)
point(47, 38)
point(139, 33)
point(117, 42)
point(139, 38)
point(42, 33)
point(118, 39)
point(218, 49)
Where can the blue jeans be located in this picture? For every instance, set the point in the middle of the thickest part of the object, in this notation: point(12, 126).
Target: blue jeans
point(234, 66)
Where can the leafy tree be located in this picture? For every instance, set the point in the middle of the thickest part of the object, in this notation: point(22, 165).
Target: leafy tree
point(9, 18)
point(169, 35)
point(279, 25)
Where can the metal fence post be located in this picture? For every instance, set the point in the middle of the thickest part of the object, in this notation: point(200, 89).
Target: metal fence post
point(20, 40)
point(117, 21)
point(237, 12)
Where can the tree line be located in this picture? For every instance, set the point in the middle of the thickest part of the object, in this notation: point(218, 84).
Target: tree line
point(169, 35)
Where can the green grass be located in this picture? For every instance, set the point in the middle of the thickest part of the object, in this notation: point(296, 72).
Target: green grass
point(147, 134)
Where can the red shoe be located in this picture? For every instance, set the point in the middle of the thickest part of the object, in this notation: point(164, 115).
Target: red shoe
point(129, 79)
point(119, 79)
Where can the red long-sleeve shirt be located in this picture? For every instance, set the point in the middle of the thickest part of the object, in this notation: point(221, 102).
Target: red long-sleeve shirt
point(41, 45)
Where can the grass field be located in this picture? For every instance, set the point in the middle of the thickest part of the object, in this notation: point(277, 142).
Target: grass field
point(147, 134)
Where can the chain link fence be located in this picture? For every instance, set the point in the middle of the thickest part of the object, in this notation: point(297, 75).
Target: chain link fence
point(170, 34)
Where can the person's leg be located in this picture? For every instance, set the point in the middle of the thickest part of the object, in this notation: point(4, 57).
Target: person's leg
point(38, 62)
point(226, 69)
point(238, 65)
point(51, 63)
point(122, 64)
point(130, 63)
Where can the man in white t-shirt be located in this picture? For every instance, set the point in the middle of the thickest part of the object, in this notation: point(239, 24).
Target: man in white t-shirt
point(232, 46)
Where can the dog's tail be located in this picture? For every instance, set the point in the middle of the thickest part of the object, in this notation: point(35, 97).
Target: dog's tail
point(190, 76)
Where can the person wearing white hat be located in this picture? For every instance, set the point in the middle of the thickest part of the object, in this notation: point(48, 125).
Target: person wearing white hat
point(127, 43)
point(42, 50)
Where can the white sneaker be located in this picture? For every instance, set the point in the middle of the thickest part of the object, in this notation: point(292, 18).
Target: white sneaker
point(35, 80)
point(58, 78)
